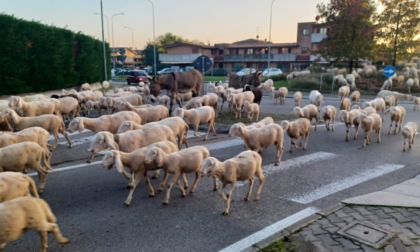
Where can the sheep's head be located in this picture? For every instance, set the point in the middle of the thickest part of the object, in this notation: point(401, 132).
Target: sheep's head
point(154, 154)
point(125, 126)
point(75, 124)
point(298, 111)
point(179, 112)
point(285, 124)
point(101, 141)
point(236, 129)
point(208, 167)
point(108, 160)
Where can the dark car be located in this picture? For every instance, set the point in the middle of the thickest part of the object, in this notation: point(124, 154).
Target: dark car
point(136, 76)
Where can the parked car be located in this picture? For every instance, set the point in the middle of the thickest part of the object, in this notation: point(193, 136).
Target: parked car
point(272, 72)
point(166, 70)
point(136, 76)
point(246, 71)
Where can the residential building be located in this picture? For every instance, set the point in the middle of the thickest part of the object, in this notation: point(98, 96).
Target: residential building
point(126, 57)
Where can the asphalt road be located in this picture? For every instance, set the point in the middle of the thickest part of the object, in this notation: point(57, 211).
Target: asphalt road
point(88, 200)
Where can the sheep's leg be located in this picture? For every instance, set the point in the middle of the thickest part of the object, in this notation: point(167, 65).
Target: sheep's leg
point(379, 134)
point(390, 128)
point(229, 198)
point(261, 180)
point(56, 138)
point(156, 174)
point(53, 227)
point(279, 154)
point(357, 132)
point(347, 134)
point(215, 183)
point(91, 158)
point(184, 140)
point(292, 145)
point(184, 179)
point(165, 179)
point(181, 188)
point(305, 138)
point(171, 184)
point(248, 194)
point(222, 192)
point(404, 144)
point(66, 136)
point(136, 181)
point(197, 178)
point(44, 240)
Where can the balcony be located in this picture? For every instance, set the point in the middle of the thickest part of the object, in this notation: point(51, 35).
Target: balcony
point(259, 57)
point(317, 37)
point(187, 58)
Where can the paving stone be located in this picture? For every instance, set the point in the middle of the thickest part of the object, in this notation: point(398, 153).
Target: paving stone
point(375, 219)
point(348, 219)
point(381, 214)
point(370, 208)
point(396, 225)
point(325, 223)
point(363, 211)
point(366, 248)
point(320, 247)
point(333, 218)
point(397, 244)
point(416, 248)
point(389, 248)
point(416, 241)
point(337, 249)
point(388, 209)
point(347, 244)
point(341, 214)
point(317, 229)
point(400, 218)
point(340, 224)
point(327, 240)
point(358, 216)
point(405, 240)
point(413, 227)
point(308, 235)
point(405, 212)
point(332, 230)
point(348, 210)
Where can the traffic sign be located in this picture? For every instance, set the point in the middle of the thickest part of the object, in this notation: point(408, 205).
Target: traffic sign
point(389, 71)
point(122, 51)
point(203, 63)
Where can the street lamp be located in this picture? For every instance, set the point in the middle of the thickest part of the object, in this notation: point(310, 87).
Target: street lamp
point(154, 37)
point(269, 38)
point(107, 23)
point(103, 43)
point(132, 36)
point(112, 29)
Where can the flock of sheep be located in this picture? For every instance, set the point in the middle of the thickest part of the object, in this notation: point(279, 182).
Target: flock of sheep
point(142, 137)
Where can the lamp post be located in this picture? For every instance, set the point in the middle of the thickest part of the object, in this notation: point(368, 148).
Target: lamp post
point(132, 36)
point(112, 29)
point(107, 23)
point(269, 38)
point(103, 44)
point(154, 37)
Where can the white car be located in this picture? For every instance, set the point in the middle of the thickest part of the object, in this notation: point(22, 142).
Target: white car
point(272, 72)
point(246, 71)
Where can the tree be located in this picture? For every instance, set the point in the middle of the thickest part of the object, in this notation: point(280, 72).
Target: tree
point(398, 35)
point(350, 33)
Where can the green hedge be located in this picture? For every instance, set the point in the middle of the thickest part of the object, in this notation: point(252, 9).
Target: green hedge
point(36, 57)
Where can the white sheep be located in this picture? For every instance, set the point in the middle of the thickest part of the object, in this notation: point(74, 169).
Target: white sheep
point(85, 87)
point(387, 84)
point(184, 161)
point(35, 108)
point(409, 83)
point(300, 127)
point(281, 94)
point(351, 80)
point(377, 103)
point(15, 184)
point(258, 139)
point(35, 97)
point(267, 84)
point(370, 123)
point(244, 166)
point(30, 155)
point(316, 98)
point(23, 213)
point(345, 104)
point(135, 161)
point(151, 113)
point(105, 85)
point(237, 101)
point(177, 125)
point(397, 95)
point(355, 96)
point(340, 80)
point(253, 109)
point(130, 140)
point(265, 121)
point(409, 132)
point(389, 101)
point(226, 94)
point(397, 115)
point(350, 118)
point(297, 97)
point(210, 99)
point(309, 111)
point(197, 116)
point(69, 107)
point(416, 103)
point(163, 100)
point(328, 113)
point(109, 123)
point(343, 92)
point(51, 123)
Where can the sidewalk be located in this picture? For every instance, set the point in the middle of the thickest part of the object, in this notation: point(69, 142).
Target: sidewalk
point(387, 220)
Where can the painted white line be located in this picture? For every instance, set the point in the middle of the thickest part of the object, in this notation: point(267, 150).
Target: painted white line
point(270, 230)
point(346, 183)
point(225, 144)
point(68, 168)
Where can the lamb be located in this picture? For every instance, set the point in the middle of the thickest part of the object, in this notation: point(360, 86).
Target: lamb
point(343, 92)
point(226, 94)
point(35, 108)
point(197, 116)
point(340, 80)
point(370, 123)
point(328, 114)
point(51, 123)
point(281, 93)
point(184, 96)
point(151, 114)
point(237, 101)
point(210, 99)
point(130, 140)
point(397, 95)
point(244, 166)
point(135, 161)
point(316, 98)
point(91, 105)
point(184, 161)
point(389, 101)
point(355, 96)
point(409, 83)
point(345, 104)
point(69, 106)
point(15, 184)
point(350, 118)
point(297, 97)
point(252, 109)
point(163, 100)
point(300, 127)
point(351, 80)
point(105, 85)
point(409, 132)
point(258, 139)
point(387, 84)
point(309, 111)
point(266, 85)
point(23, 213)
point(31, 155)
point(397, 115)
point(265, 121)
point(378, 103)
point(177, 125)
point(85, 87)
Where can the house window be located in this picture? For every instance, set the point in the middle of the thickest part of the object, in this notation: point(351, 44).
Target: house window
point(323, 30)
point(306, 31)
point(249, 51)
point(221, 52)
point(305, 50)
point(285, 50)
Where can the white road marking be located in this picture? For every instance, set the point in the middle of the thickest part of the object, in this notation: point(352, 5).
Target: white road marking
point(270, 230)
point(68, 168)
point(346, 183)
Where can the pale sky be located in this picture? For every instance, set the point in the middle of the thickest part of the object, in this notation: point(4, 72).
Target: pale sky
point(216, 21)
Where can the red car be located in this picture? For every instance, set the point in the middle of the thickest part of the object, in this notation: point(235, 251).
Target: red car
point(135, 76)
